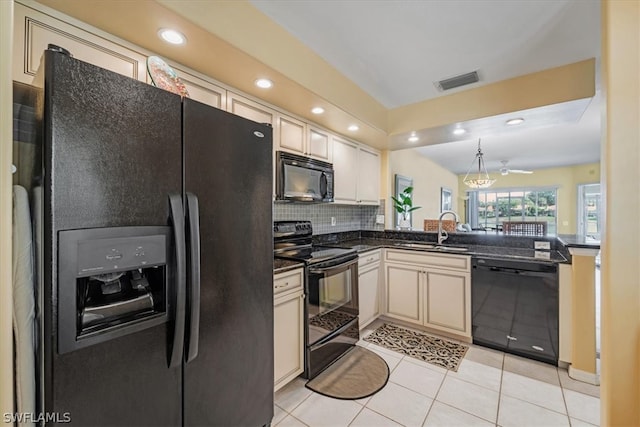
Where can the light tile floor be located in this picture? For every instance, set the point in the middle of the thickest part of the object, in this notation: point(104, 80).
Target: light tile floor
point(491, 388)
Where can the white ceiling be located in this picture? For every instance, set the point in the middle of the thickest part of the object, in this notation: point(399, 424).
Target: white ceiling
point(562, 144)
point(396, 50)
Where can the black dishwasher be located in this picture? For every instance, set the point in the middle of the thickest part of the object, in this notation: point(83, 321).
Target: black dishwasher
point(515, 307)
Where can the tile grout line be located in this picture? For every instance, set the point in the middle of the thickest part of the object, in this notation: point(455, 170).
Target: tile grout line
point(455, 407)
point(564, 399)
point(407, 388)
point(299, 403)
point(500, 389)
point(444, 377)
point(359, 412)
point(297, 419)
point(382, 415)
point(424, 364)
point(562, 390)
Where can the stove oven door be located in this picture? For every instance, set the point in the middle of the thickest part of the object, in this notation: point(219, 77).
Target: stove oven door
point(329, 349)
point(332, 297)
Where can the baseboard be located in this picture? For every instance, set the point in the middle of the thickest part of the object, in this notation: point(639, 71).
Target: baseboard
point(584, 376)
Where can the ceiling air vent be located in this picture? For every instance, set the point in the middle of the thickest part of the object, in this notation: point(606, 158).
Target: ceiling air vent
point(457, 81)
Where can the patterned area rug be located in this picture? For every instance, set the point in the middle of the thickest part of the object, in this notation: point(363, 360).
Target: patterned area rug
point(438, 351)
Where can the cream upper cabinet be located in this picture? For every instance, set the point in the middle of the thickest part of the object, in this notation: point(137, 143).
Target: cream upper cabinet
point(345, 161)
point(357, 173)
point(319, 144)
point(300, 138)
point(288, 326)
point(244, 107)
point(368, 176)
point(292, 135)
point(34, 31)
point(202, 90)
point(432, 290)
point(368, 287)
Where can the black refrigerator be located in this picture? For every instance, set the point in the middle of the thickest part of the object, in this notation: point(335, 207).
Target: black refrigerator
point(155, 255)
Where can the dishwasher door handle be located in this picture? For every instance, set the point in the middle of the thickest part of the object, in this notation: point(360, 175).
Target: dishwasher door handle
point(517, 272)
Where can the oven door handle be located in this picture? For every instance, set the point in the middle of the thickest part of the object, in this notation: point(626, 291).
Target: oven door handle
point(325, 270)
point(334, 334)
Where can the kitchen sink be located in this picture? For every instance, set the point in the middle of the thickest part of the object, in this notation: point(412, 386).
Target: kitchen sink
point(437, 247)
point(451, 248)
point(417, 245)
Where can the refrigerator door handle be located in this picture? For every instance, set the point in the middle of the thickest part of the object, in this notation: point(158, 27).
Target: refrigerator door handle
point(177, 221)
point(194, 276)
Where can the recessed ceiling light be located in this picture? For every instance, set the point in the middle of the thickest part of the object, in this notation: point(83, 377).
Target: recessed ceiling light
point(264, 83)
point(459, 131)
point(172, 36)
point(353, 128)
point(413, 137)
point(317, 110)
point(515, 121)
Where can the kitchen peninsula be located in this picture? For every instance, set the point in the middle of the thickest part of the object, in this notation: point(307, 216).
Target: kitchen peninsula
point(477, 243)
point(566, 253)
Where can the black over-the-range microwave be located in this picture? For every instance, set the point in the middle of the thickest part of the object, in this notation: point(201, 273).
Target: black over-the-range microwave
point(302, 179)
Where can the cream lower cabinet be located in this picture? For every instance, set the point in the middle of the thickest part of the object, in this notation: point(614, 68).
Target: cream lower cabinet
point(432, 290)
point(368, 287)
point(447, 301)
point(288, 327)
point(404, 292)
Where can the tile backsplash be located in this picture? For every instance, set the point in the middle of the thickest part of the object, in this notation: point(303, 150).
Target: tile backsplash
point(347, 217)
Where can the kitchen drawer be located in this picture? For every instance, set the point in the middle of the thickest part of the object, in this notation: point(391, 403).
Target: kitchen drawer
point(455, 262)
point(289, 281)
point(367, 258)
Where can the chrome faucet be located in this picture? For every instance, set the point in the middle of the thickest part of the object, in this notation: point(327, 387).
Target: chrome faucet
point(442, 234)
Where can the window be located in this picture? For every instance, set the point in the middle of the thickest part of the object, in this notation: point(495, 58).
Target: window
point(488, 209)
point(589, 205)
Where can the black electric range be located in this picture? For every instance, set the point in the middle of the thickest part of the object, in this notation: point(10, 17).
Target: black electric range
point(293, 240)
point(331, 293)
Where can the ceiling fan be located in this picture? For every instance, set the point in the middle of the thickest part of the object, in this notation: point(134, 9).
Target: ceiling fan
point(504, 170)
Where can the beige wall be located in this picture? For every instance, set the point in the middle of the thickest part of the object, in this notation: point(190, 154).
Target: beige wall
point(428, 178)
point(566, 179)
point(621, 161)
point(620, 376)
point(6, 298)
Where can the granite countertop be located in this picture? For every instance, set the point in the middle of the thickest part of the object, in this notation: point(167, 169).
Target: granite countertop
point(282, 265)
point(578, 241)
point(365, 244)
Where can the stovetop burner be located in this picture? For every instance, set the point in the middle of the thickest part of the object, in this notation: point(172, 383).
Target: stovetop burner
point(293, 240)
point(314, 254)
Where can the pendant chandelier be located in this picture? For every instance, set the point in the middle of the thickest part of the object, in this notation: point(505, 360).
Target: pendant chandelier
point(480, 179)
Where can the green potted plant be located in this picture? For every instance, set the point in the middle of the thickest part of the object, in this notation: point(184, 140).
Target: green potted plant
point(403, 204)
